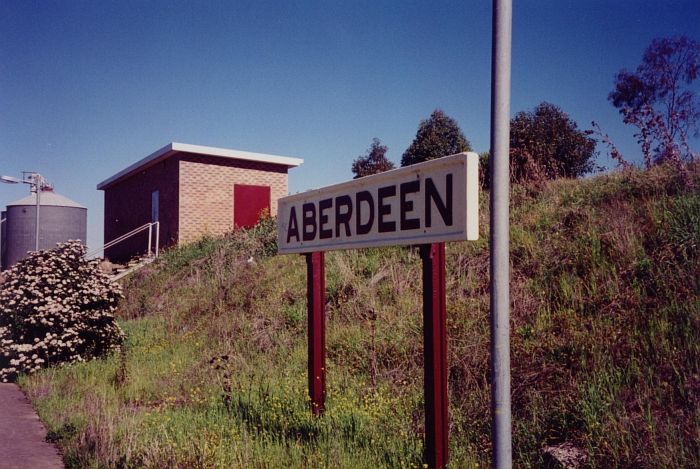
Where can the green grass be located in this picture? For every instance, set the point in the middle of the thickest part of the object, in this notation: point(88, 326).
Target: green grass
point(605, 344)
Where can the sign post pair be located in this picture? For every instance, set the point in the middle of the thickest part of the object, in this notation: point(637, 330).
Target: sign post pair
point(425, 204)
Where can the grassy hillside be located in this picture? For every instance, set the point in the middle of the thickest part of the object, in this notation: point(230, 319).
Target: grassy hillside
point(605, 345)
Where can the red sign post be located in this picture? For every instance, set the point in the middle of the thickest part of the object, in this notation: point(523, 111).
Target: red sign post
point(424, 204)
point(315, 304)
point(435, 354)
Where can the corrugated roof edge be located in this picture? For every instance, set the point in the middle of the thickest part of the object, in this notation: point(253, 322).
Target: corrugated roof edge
point(49, 199)
point(175, 147)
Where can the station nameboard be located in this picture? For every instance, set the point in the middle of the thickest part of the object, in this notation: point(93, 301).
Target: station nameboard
point(429, 202)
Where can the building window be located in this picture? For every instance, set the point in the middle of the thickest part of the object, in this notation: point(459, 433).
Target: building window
point(154, 206)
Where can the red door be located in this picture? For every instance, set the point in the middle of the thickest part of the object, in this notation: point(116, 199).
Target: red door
point(248, 202)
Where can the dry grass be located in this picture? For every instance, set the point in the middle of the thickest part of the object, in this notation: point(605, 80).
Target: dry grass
point(605, 346)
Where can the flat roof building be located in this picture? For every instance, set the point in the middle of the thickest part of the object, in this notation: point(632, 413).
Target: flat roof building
point(191, 191)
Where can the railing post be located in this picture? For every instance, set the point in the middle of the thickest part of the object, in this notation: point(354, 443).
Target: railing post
point(150, 235)
point(157, 237)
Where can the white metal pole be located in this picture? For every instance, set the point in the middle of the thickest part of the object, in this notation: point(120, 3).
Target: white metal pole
point(157, 237)
point(37, 187)
point(150, 236)
point(499, 233)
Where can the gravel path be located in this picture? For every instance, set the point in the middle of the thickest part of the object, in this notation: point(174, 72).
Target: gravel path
point(22, 435)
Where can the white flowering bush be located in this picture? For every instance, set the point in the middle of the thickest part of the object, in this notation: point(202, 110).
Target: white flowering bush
point(56, 307)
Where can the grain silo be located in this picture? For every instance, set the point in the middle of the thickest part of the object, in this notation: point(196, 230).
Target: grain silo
point(60, 219)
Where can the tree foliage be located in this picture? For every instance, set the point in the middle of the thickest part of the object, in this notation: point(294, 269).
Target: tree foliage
point(547, 144)
point(437, 136)
point(374, 161)
point(656, 98)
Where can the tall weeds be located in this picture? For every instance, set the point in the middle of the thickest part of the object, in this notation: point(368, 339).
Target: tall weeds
point(605, 345)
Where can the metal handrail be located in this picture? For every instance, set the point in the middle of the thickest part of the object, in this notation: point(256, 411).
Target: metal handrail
point(131, 233)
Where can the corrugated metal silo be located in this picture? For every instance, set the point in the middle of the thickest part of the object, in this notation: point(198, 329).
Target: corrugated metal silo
point(60, 219)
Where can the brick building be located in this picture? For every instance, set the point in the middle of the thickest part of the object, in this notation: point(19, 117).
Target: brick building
point(192, 191)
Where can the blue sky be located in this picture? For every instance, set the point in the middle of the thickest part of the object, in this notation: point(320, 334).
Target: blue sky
point(89, 87)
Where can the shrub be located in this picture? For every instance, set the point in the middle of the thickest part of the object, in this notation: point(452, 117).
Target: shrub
point(265, 235)
point(257, 241)
point(56, 307)
point(547, 144)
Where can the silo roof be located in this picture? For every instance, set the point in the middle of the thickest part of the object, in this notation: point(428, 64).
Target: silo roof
point(48, 198)
point(174, 148)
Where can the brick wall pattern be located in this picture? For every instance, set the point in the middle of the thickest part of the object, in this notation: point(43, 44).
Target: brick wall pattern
point(206, 192)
